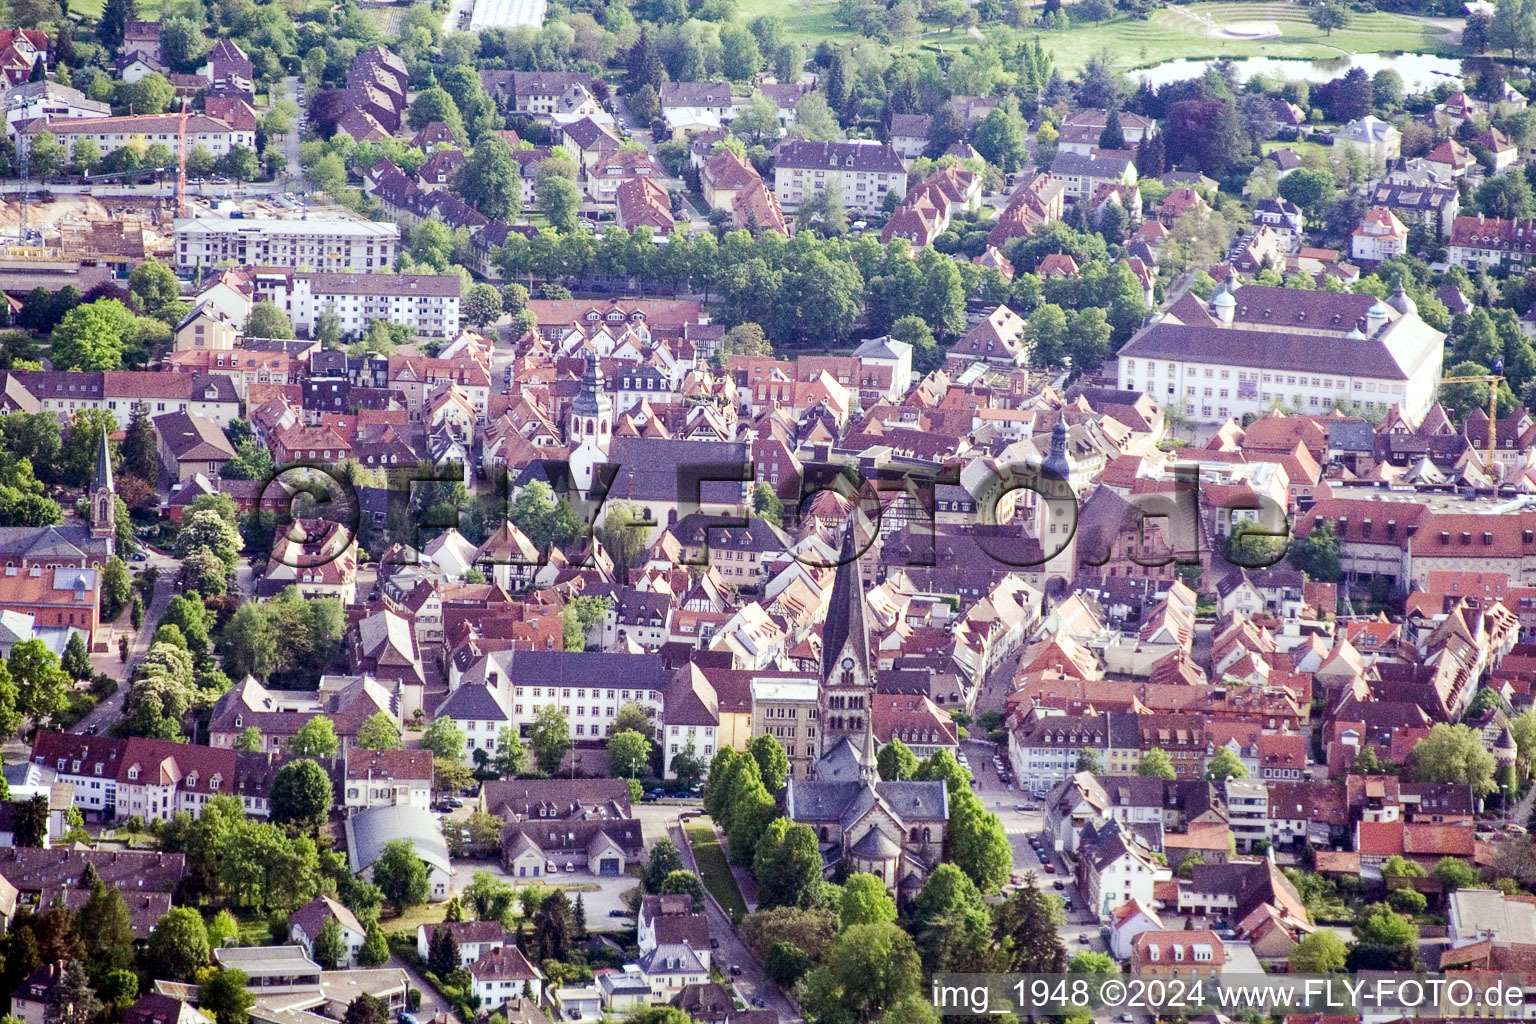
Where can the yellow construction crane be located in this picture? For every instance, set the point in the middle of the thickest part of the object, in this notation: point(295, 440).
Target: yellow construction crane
point(1493, 380)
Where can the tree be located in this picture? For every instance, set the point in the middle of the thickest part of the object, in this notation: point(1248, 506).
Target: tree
point(977, 842)
point(1029, 920)
point(511, 758)
point(554, 928)
point(402, 875)
point(550, 737)
point(443, 952)
point(76, 661)
point(1454, 753)
point(140, 456)
point(1329, 15)
point(688, 765)
point(481, 305)
point(1310, 188)
point(115, 16)
point(489, 897)
point(951, 920)
point(1455, 873)
point(267, 321)
point(223, 931)
point(1321, 952)
point(224, 993)
point(772, 762)
point(748, 810)
point(629, 754)
point(93, 336)
point(31, 828)
point(41, 685)
point(1001, 139)
point(869, 968)
point(153, 286)
point(1384, 941)
point(558, 199)
point(1157, 764)
point(1398, 866)
point(435, 104)
point(72, 1000)
point(444, 739)
point(1225, 765)
point(1113, 136)
point(178, 946)
point(1507, 196)
point(375, 951)
point(206, 528)
point(1317, 554)
point(315, 738)
point(664, 860)
point(787, 863)
point(814, 120)
point(865, 900)
point(366, 1009)
point(250, 740)
point(1407, 901)
point(1513, 27)
point(490, 180)
point(1088, 761)
point(301, 795)
point(766, 504)
point(685, 882)
point(378, 732)
point(896, 761)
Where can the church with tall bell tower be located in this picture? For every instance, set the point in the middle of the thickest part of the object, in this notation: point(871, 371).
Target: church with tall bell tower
point(894, 830)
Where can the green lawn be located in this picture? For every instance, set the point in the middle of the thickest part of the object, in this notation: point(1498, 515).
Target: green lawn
point(714, 869)
point(1187, 30)
point(805, 21)
point(90, 10)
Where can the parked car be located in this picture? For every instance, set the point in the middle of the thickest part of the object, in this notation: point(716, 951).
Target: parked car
point(1059, 885)
point(1018, 807)
point(735, 970)
point(618, 913)
point(1050, 868)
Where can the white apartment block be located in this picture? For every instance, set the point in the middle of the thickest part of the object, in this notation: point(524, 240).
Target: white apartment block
point(427, 303)
point(863, 171)
point(323, 245)
point(585, 689)
point(111, 133)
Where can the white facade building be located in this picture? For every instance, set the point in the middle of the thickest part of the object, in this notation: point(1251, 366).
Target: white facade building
point(318, 245)
point(1248, 350)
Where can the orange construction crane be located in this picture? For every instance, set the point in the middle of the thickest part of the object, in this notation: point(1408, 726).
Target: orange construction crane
point(1493, 380)
point(181, 163)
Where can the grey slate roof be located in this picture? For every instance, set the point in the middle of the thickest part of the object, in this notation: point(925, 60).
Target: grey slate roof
point(369, 831)
point(472, 703)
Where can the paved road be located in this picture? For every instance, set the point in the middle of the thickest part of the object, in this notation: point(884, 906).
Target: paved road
point(431, 1003)
point(752, 983)
point(111, 709)
point(295, 92)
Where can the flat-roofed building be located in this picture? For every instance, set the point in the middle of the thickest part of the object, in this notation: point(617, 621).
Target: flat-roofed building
point(324, 245)
point(785, 707)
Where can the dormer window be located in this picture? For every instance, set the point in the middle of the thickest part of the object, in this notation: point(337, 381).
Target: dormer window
point(133, 773)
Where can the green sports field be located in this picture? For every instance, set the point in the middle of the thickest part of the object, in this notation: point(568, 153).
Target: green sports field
point(1195, 30)
point(1186, 30)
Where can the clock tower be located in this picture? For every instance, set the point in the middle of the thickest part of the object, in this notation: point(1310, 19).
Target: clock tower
point(847, 683)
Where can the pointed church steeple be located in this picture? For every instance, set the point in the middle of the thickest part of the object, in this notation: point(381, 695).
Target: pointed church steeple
point(847, 682)
point(103, 496)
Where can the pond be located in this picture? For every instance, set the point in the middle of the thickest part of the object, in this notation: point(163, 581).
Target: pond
point(1419, 71)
